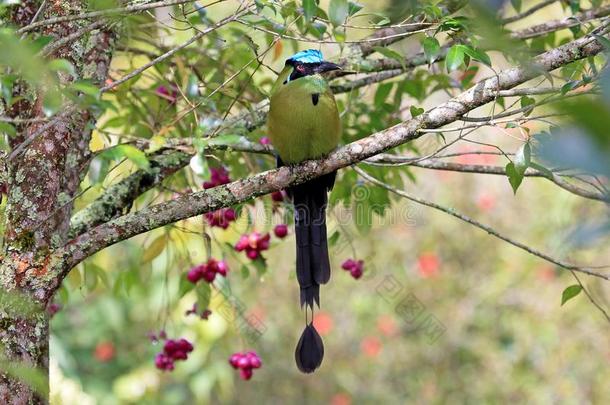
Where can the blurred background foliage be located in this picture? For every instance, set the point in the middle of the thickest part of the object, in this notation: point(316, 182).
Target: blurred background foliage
point(489, 328)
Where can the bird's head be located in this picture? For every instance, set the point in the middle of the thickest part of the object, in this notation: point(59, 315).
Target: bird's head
point(306, 63)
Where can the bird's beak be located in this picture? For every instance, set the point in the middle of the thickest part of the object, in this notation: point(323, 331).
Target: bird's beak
point(327, 67)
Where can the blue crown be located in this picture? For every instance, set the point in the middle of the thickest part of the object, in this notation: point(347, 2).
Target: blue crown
point(307, 56)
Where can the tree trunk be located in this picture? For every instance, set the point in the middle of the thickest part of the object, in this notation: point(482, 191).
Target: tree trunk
point(42, 180)
point(24, 336)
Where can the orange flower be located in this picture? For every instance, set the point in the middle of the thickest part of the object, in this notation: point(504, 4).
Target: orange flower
point(104, 351)
point(341, 399)
point(428, 264)
point(387, 325)
point(371, 346)
point(323, 323)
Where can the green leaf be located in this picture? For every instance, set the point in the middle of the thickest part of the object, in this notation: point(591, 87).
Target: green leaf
point(204, 293)
point(62, 65)
point(525, 102)
point(338, 11)
point(130, 152)
point(51, 102)
point(86, 87)
point(154, 249)
point(415, 111)
point(432, 49)
point(570, 292)
point(455, 58)
point(523, 158)
point(383, 91)
point(309, 9)
point(514, 177)
point(354, 7)
point(476, 54)
point(516, 4)
point(8, 129)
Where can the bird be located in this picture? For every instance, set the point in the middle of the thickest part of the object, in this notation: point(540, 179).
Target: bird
point(303, 123)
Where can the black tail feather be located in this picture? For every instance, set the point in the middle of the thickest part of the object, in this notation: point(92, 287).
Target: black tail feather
point(313, 264)
point(309, 352)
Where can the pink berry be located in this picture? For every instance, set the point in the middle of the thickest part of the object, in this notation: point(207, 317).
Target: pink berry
point(252, 254)
point(243, 362)
point(234, 359)
point(265, 140)
point(170, 347)
point(281, 230)
point(179, 355)
point(255, 362)
point(356, 272)
point(185, 345)
point(348, 264)
point(222, 268)
point(194, 274)
point(209, 276)
point(245, 373)
point(242, 244)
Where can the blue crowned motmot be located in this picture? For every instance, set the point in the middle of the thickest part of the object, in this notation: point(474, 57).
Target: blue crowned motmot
point(303, 123)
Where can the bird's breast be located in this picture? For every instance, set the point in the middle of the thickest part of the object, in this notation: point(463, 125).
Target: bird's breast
point(303, 120)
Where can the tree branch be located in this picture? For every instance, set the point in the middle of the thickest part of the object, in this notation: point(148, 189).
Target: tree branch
point(242, 190)
point(496, 170)
point(529, 11)
point(104, 13)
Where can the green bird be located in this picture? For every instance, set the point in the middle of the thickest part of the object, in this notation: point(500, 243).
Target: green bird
point(304, 123)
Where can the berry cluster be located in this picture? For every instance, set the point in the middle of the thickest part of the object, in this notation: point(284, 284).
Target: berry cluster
point(170, 94)
point(218, 177)
point(253, 244)
point(173, 350)
point(356, 268)
point(207, 271)
point(281, 230)
point(193, 311)
point(245, 363)
point(221, 218)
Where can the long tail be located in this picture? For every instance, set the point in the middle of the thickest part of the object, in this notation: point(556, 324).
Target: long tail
point(313, 264)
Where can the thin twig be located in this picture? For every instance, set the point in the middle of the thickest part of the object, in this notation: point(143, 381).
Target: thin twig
point(490, 231)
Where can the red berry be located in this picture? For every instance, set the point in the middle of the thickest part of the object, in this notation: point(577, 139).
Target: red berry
point(170, 347)
point(234, 359)
point(356, 272)
point(242, 244)
point(209, 276)
point(252, 254)
point(179, 355)
point(185, 345)
point(277, 196)
point(348, 264)
point(255, 361)
point(222, 268)
point(194, 274)
point(245, 373)
point(281, 230)
point(243, 362)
